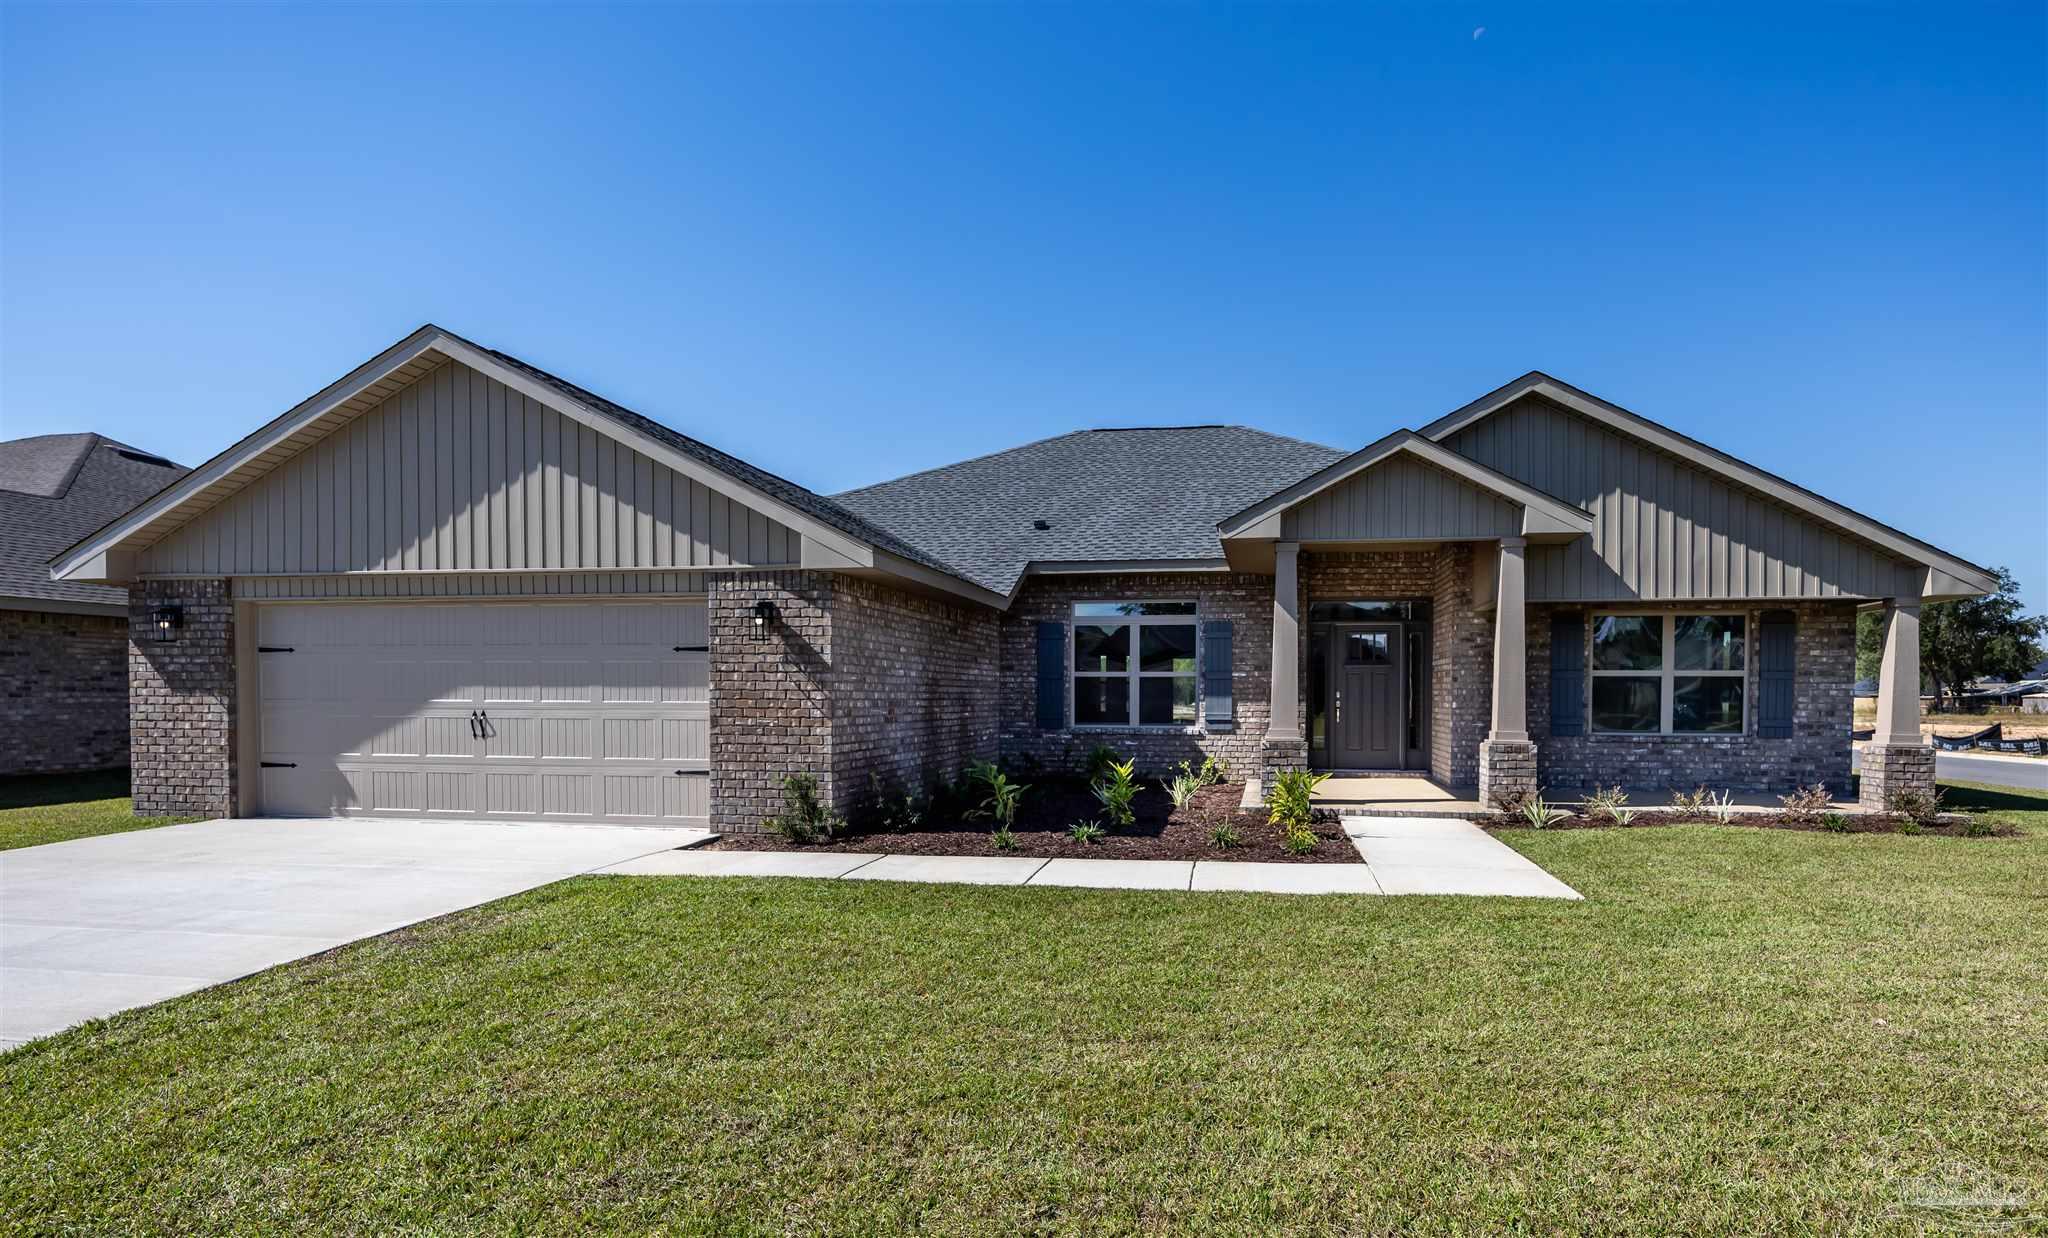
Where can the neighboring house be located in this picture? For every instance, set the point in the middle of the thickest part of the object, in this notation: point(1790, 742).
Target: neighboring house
point(452, 583)
point(64, 644)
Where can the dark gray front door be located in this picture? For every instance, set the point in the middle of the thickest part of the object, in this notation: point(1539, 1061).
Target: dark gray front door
point(1365, 703)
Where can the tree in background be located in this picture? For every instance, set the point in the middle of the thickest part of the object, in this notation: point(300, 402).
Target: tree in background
point(1977, 638)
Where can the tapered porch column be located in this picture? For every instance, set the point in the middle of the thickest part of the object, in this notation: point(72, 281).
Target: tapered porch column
point(1507, 760)
point(1285, 748)
point(1896, 760)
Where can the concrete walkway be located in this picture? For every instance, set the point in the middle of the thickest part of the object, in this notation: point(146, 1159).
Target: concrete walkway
point(98, 925)
point(1402, 856)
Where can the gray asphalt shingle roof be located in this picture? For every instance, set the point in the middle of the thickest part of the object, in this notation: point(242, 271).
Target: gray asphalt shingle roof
point(1148, 493)
point(55, 489)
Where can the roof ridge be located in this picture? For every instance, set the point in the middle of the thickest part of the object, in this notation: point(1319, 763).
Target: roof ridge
point(940, 468)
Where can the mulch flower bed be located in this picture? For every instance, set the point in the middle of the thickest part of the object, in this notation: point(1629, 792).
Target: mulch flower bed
point(1948, 825)
point(1161, 831)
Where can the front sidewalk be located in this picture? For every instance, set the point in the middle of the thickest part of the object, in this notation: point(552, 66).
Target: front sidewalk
point(1402, 856)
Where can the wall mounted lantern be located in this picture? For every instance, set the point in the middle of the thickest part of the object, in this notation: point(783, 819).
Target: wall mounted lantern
point(764, 618)
point(165, 621)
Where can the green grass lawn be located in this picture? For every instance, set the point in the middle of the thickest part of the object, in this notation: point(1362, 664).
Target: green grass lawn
point(1738, 1030)
point(49, 808)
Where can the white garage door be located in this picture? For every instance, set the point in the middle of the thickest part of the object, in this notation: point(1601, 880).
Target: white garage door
point(518, 711)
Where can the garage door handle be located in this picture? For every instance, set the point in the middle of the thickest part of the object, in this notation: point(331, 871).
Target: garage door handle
point(273, 649)
point(700, 773)
point(483, 723)
point(473, 732)
point(278, 764)
point(692, 649)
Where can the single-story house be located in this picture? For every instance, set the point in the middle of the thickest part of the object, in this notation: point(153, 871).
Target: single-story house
point(453, 583)
point(64, 643)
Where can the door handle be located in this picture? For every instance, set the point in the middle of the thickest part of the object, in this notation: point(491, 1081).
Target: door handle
point(483, 723)
point(473, 732)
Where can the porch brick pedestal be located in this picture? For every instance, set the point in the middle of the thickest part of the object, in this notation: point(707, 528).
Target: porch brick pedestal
point(1279, 756)
point(1890, 768)
point(1507, 770)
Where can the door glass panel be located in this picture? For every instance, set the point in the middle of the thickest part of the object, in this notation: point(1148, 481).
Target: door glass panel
point(1318, 691)
point(1102, 647)
point(1365, 649)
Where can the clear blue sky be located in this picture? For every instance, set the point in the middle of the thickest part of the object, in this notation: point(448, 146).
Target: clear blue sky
point(850, 242)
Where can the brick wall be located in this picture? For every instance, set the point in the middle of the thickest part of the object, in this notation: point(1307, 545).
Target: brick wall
point(1824, 672)
point(182, 701)
point(63, 692)
point(914, 686)
point(853, 677)
point(1245, 600)
point(1462, 705)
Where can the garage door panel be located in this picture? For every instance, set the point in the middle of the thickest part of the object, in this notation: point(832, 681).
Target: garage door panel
point(540, 710)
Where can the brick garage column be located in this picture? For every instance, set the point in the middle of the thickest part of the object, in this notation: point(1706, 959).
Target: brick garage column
point(1507, 760)
point(1897, 760)
point(771, 692)
point(181, 700)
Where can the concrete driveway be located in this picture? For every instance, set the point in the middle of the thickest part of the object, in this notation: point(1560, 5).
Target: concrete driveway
point(97, 925)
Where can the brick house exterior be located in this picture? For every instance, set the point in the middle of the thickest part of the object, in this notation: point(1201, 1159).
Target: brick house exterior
point(63, 692)
point(711, 628)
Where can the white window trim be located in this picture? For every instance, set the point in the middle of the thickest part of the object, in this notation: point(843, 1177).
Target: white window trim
point(1668, 674)
point(1131, 673)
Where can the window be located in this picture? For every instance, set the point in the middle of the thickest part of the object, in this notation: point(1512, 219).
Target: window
point(1668, 674)
point(1135, 664)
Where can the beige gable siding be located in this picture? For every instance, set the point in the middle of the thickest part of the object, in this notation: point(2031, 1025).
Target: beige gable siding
point(1664, 529)
point(1401, 498)
point(457, 472)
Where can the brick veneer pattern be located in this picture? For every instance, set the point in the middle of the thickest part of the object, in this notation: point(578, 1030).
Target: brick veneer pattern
point(1462, 704)
point(181, 697)
point(771, 711)
point(63, 692)
point(1824, 674)
point(1891, 768)
point(1393, 575)
point(1245, 600)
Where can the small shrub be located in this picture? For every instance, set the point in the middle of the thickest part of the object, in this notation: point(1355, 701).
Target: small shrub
point(1182, 789)
point(947, 801)
point(1908, 825)
point(1722, 810)
point(1539, 815)
point(804, 818)
point(1834, 823)
point(1298, 840)
point(1607, 805)
point(1003, 839)
point(1622, 816)
point(1915, 806)
point(1806, 805)
point(1291, 800)
point(1977, 826)
point(1100, 758)
point(1225, 836)
point(1691, 803)
point(1003, 798)
point(1085, 832)
point(1209, 775)
point(1116, 789)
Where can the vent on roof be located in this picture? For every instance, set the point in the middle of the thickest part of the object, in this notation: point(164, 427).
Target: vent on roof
point(143, 457)
point(1041, 525)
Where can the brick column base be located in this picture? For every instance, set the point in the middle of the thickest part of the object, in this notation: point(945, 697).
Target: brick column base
point(1507, 770)
point(1892, 768)
point(1279, 756)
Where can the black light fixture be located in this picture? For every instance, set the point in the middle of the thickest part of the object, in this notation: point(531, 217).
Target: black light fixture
point(764, 617)
point(165, 622)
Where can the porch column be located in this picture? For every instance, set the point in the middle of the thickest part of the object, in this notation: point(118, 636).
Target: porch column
point(1285, 721)
point(1285, 748)
point(1507, 759)
point(1897, 761)
point(1510, 652)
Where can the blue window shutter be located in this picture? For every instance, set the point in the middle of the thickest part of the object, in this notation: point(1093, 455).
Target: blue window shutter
point(1216, 657)
point(1568, 674)
point(1776, 644)
point(1052, 676)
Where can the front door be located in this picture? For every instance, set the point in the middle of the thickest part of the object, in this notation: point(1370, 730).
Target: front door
point(1365, 696)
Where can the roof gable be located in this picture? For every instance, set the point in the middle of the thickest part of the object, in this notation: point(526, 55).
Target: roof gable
point(54, 489)
point(1947, 575)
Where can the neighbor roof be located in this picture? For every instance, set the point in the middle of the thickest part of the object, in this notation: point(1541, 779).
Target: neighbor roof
point(1129, 496)
point(54, 489)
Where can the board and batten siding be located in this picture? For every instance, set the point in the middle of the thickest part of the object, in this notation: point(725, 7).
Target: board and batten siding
point(458, 472)
point(455, 585)
point(1663, 528)
point(1401, 498)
